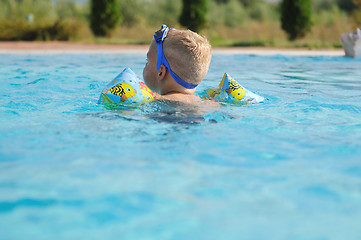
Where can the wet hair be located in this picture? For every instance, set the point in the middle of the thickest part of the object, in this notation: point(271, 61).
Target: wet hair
point(188, 54)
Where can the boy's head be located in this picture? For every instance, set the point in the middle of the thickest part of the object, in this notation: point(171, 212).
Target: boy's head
point(176, 59)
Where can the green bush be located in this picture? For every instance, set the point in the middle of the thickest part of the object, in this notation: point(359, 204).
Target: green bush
point(251, 3)
point(296, 17)
point(257, 12)
point(229, 22)
point(43, 10)
point(194, 14)
point(66, 9)
point(159, 12)
point(347, 5)
point(323, 5)
point(130, 11)
point(21, 30)
point(105, 16)
point(234, 14)
point(230, 14)
point(221, 1)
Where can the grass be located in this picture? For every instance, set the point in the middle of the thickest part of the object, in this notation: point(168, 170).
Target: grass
point(251, 33)
point(255, 34)
point(58, 30)
point(225, 28)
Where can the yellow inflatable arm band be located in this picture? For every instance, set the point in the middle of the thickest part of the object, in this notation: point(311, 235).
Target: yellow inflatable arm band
point(127, 87)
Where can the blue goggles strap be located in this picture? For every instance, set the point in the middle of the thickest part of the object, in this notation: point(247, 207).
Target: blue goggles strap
point(159, 37)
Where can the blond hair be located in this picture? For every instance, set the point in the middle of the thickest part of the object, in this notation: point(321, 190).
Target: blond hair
point(188, 55)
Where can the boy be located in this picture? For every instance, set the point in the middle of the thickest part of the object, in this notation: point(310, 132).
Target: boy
point(177, 61)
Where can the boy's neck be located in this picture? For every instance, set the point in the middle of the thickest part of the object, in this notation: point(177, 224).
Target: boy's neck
point(169, 87)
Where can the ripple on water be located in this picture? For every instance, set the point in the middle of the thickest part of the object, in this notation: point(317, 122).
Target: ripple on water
point(68, 164)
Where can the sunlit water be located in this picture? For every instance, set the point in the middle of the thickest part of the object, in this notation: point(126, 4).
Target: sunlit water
point(288, 168)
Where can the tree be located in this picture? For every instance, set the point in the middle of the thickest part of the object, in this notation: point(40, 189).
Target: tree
point(194, 14)
point(221, 1)
point(356, 14)
point(323, 5)
point(347, 5)
point(105, 16)
point(250, 3)
point(296, 17)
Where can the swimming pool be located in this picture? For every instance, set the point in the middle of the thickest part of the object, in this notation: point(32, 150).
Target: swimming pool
point(289, 168)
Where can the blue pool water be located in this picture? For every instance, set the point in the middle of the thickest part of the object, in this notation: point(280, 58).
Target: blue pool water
point(289, 168)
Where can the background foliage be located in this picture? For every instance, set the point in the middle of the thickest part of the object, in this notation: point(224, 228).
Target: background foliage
point(105, 15)
point(194, 14)
point(296, 17)
point(229, 22)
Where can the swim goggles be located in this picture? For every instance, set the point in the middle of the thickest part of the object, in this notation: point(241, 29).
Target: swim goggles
point(159, 37)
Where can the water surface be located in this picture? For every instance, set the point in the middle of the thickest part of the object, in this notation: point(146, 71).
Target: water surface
point(289, 168)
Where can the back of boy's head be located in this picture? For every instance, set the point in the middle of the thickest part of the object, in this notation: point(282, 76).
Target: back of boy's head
point(188, 54)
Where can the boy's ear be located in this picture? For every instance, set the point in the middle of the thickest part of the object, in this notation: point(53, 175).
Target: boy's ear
point(162, 72)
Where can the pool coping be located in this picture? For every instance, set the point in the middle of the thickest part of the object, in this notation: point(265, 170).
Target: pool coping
point(54, 48)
